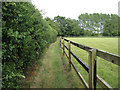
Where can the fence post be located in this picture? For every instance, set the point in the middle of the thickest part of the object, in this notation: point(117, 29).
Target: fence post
point(69, 48)
point(63, 47)
point(60, 41)
point(92, 69)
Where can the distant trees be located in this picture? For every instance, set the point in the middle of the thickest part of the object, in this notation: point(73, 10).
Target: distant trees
point(111, 26)
point(68, 27)
point(99, 24)
point(88, 25)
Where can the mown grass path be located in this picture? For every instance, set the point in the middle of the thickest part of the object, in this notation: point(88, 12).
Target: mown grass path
point(52, 73)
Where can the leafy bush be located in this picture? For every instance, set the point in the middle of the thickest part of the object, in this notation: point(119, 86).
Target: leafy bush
point(25, 35)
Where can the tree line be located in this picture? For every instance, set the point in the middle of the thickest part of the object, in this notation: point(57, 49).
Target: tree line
point(88, 25)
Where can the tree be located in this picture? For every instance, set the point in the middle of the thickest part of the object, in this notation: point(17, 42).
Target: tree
point(68, 27)
point(111, 26)
point(93, 24)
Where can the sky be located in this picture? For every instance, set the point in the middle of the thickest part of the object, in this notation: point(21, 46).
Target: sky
point(73, 8)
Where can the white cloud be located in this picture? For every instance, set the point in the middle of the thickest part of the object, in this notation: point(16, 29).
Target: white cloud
point(73, 8)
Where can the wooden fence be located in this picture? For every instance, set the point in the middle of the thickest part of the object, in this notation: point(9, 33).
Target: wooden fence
point(93, 53)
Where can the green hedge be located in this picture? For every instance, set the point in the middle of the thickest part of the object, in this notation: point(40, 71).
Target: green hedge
point(25, 35)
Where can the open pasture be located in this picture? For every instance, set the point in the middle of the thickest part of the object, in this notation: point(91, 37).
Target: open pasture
point(106, 70)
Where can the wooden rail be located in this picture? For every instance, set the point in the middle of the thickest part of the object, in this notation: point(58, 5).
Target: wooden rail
point(93, 53)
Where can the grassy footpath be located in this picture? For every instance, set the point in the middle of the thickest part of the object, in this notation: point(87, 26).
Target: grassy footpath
point(53, 73)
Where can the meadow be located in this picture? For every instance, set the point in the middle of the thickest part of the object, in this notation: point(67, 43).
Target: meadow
point(106, 70)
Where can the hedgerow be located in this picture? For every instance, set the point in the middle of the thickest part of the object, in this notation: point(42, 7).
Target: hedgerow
point(25, 35)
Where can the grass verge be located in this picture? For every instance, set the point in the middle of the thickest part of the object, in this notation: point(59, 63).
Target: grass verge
point(53, 73)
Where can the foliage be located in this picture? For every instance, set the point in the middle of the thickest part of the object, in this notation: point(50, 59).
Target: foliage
point(99, 24)
point(111, 26)
point(88, 25)
point(54, 25)
point(25, 34)
point(68, 27)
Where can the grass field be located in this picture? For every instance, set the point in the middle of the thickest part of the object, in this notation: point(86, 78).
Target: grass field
point(105, 69)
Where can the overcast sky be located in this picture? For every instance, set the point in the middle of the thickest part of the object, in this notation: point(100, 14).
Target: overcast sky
point(73, 8)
